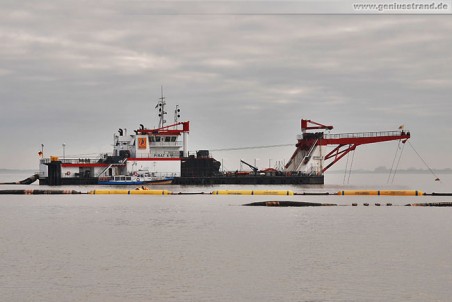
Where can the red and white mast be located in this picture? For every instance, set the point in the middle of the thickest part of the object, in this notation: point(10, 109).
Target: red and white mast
point(174, 130)
point(161, 106)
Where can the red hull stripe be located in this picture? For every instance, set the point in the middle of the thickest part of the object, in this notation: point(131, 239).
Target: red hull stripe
point(155, 159)
point(84, 165)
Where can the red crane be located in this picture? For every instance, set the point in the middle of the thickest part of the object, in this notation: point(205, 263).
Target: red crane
point(344, 143)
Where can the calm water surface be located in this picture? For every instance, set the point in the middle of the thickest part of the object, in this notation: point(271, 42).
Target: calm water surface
point(209, 248)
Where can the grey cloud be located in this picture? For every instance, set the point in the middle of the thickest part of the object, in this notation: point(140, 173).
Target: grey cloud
point(240, 79)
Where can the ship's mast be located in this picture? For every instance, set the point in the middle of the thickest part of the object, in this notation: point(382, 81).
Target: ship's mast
point(176, 114)
point(161, 105)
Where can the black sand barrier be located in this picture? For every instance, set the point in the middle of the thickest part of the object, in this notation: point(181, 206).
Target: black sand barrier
point(430, 204)
point(288, 204)
point(39, 192)
point(439, 194)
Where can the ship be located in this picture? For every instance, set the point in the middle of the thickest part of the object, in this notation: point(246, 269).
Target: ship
point(163, 150)
point(146, 156)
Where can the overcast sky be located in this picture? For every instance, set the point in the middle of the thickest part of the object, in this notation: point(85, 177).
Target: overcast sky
point(74, 72)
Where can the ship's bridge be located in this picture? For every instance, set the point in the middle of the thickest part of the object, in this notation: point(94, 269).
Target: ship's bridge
point(148, 144)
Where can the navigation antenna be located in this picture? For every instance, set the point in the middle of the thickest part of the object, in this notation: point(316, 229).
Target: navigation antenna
point(176, 114)
point(161, 105)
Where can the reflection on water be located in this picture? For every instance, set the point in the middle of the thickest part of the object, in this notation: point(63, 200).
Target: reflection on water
point(209, 248)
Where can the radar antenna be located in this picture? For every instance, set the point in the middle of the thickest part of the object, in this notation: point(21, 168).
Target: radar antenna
point(161, 106)
point(176, 114)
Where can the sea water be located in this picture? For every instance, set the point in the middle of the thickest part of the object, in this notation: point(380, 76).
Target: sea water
point(210, 248)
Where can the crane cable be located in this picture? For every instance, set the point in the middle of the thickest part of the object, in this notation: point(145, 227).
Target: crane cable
point(431, 171)
point(249, 148)
point(393, 162)
point(398, 162)
point(347, 167)
point(351, 164)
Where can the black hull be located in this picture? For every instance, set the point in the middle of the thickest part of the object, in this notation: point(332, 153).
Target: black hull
point(67, 181)
point(250, 180)
point(212, 180)
point(205, 170)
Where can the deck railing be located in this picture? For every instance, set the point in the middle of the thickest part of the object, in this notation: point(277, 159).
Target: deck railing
point(93, 160)
point(366, 134)
point(175, 154)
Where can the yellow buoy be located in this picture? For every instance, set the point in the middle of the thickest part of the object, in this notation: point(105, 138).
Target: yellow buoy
point(272, 192)
point(382, 192)
point(358, 192)
point(150, 192)
point(103, 192)
point(232, 192)
point(131, 192)
point(252, 192)
point(401, 193)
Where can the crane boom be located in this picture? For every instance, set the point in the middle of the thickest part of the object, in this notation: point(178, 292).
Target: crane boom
point(251, 166)
point(309, 156)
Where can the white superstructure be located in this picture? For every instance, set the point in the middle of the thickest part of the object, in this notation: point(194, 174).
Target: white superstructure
point(157, 150)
